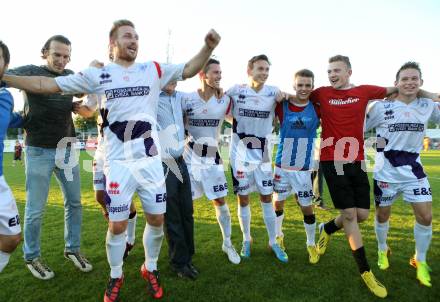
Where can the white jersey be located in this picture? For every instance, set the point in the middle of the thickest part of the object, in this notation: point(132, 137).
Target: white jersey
point(129, 111)
point(203, 120)
point(253, 114)
point(400, 129)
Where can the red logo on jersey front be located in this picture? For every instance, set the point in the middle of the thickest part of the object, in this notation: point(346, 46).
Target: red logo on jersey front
point(383, 185)
point(240, 174)
point(277, 177)
point(113, 188)
point(126, 78)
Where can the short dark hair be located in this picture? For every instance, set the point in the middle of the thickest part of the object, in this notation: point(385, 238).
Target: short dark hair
point(341, 58)
point(117, 24)
point(6, 55)
point(210, 61)
point(305, 73)
point(257, 58)
point(409, 65)
point(57, 38)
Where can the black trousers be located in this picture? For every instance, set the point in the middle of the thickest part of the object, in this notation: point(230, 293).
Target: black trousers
point(179, 221)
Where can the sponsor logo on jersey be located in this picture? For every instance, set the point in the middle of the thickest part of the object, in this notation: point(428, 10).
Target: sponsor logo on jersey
point(118, 209)
point(127, 92)
point(277, 177)
point(389, 114)
point(383, 185)
point(105, 78)
point(126, 78)
point(253, 113)
point(14, 221)
point(243, 188)
point(161, 197)
point(422, 191)
point(203, 122)
point(189, 112)
point(240, 174)
point(298, 124)
point(219, 188)
point(415, 127)
point(305, 194)
point(205, 111)
point(113, 188)
point(241, 99)
point(343, 102)
point(382, 199)
point(267, 183)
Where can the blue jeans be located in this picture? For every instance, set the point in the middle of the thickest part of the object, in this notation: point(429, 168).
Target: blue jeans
point(40, 163)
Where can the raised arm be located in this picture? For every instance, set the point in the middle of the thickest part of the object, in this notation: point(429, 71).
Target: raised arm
point(193, 66)
point(34, 84)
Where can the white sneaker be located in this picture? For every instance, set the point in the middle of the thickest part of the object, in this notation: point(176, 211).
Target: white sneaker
point(232, 253)
point(79, 261)
point(39, 269)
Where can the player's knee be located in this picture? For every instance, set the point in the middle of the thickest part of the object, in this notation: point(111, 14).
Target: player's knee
point(243, 200)
point(10, 244)
point(362, 216)
point(155, 220)
point(424, 218)
point(349, 215)
point(279, 205)
point(99, 196)
point(266, 198)
point(381, 216)
point(117, 227)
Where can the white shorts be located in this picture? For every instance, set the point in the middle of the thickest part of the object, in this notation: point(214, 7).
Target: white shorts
point(250, 177)
point(386, 193)
point(124, 178)
point(9, 218)
point(209, 180)
point(288, 182)
point(98, 171)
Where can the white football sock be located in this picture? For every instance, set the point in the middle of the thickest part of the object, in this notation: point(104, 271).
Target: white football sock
point(381, 234)
point(131, 230)
point(423, 236)
point(310, 233)
point(244, 218)
point(152, 239)
point(224, 221)
point(269, 221)
point(4, 259)
point(115, 247)
point(279, 225)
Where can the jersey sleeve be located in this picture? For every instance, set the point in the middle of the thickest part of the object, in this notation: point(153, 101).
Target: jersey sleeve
point(232, 91)
point(374, 92)
point(16, 120)
point(169, 72)
point(374, 115)
point(435, 116)
point(315, 95)
point(86, 81)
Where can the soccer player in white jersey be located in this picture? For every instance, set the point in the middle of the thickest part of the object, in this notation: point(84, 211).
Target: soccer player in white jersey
point(400, 128)
point(204, 111)
point(10, 230)
point(132, 154)
point(251, 151)
point(87, 110)
point(295, 158)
